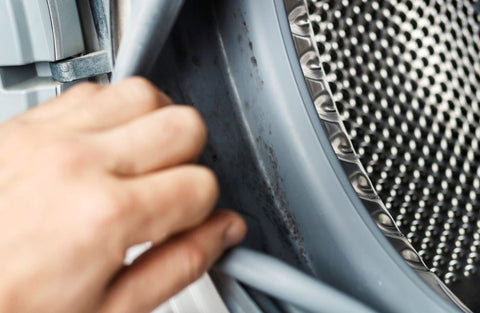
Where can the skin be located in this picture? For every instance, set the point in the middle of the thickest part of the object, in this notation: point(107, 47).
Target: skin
point(91, 173)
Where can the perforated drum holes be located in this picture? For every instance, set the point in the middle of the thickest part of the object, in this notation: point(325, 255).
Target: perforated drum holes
point(405, 77)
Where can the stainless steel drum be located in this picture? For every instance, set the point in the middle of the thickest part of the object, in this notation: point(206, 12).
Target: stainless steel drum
point(405, 78)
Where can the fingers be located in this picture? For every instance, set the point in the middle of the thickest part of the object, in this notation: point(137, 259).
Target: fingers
point(169, 202)
point(167, 269)
point(116, 105)
point(171, 136)
point(89, 106)
point(71, 99)
point(124, 122)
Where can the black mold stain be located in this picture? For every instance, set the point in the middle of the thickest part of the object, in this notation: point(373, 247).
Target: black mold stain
point(252, 188)
point(281, 211)
point(254, 61)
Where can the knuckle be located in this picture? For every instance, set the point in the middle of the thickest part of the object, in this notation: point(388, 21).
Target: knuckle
point(111, 207)
point(128, 166)
point(142, 91)
point(192, 118)
point(197, 260)
point(206, 179)
point(68, 156)
point(102, 214)
point(186, 120)
point(100, 218)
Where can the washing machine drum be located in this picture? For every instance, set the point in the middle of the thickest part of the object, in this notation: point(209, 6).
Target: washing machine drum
point(405, 77)
point(362, 119)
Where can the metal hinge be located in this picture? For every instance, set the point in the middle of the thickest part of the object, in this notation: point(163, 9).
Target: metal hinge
point(86, 66)
point(49, 46)
point(94, 63)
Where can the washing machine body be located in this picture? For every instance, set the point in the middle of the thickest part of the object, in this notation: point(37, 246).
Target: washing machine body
point(282, 85)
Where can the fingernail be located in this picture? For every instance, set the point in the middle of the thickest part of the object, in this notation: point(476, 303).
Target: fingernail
point(233, 235)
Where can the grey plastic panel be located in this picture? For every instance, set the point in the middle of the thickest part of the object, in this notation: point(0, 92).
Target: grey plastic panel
point(14, 103)
point(33, 33)
point(25, 32)
point(22, 87)
point(37, 30)
point(67, 32)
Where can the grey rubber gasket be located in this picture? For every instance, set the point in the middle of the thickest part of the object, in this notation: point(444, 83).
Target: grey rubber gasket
point(315, 78)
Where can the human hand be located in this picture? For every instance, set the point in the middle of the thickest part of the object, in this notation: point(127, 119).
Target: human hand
point(88, 175)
